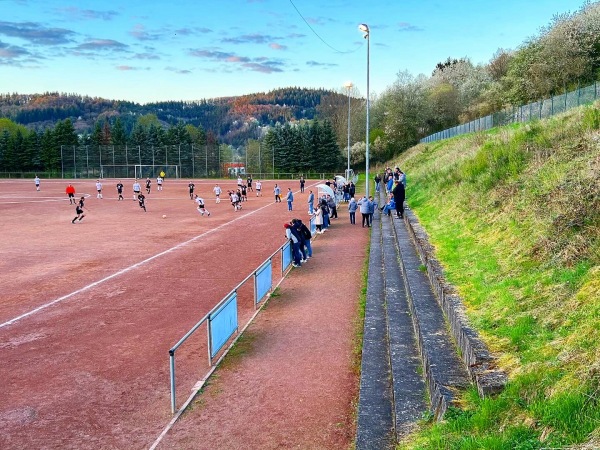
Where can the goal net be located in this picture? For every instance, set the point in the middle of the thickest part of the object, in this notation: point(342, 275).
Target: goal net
point(117, 171)
point(171, 171)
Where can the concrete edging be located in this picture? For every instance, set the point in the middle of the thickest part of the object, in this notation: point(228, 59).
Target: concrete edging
point(481, 364)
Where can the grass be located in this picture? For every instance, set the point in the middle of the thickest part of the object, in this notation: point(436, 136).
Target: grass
point(514, 216)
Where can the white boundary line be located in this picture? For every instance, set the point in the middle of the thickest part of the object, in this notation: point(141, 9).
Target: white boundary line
point(125, 270)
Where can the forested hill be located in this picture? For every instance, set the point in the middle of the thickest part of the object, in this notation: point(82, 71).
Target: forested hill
point(227, 117)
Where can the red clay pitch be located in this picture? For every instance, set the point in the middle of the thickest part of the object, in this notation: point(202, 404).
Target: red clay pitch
point(90, 310)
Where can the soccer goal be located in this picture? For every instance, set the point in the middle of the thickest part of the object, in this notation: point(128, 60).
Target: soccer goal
point(171, 171)
point(117, 171)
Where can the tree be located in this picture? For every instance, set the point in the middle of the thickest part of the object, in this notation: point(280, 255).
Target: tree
point(118, 135)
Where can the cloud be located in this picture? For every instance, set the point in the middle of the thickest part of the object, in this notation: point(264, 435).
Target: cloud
point(405, 26)
point(75, 13)
point(192, 31)
point(276, 46)
point(8, 51)
point(250, 38)
point(261, 64)
point(139, 32)
point(126, 68)
point(36, 33)
point(102, 44)
point(318, 64)
point(146, 55)
point(179, 71)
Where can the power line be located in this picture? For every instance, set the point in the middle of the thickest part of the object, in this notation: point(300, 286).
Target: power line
point(317, 34)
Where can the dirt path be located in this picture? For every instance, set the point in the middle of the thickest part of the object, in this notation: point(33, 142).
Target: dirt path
point(291, 385)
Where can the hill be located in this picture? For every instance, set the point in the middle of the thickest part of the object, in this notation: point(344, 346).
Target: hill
point(225, 117)
point(514, 215)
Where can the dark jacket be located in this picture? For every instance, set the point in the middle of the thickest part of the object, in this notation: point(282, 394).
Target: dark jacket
point(399, 194)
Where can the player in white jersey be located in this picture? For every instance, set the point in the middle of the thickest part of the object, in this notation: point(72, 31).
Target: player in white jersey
point(159, 182)
point(217, 190)
point(201, 208)
point(136, 189)
point(258, 188)
point(99, 189)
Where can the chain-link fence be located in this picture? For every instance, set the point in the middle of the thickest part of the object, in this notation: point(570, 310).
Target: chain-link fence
point(535, 110)
point(174, 161)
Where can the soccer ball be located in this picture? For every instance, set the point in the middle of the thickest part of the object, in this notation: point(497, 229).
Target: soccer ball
point(164, 216)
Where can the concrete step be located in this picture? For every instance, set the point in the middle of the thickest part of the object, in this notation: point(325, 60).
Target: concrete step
point(443, 370)
point(407, 381)
point(375, 424)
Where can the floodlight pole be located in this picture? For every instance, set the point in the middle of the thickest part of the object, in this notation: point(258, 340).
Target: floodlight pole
point(365, 29)
point(348, 86)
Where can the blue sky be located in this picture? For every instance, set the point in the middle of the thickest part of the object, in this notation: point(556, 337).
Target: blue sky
point(145, 50)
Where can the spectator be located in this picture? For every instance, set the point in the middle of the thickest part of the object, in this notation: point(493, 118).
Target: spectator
point(352, 207)
point(363, 203)
point(292, 235)
point(399, 196)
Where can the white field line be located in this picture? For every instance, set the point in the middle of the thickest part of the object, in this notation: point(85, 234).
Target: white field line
point(125, 270)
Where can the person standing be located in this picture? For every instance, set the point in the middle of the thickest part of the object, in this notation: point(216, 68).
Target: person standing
point(319, 220)
point(249, 182)
point(217, 191)
point(148, 184)
point(37, 183)
point(292, 235)
point(159, 183)
point(99, 189)
point(71, 194)
point(191, 186)
point(399, 196)
point(277, 192)
point(377, 183)
point(244, 193)
point(289, 198)
point(201, 208)
point(258, 188)
point(325, 212)
point(352, 207)
point(363, 203)
point(311, 202)
point(332, 207)
point(79, 210)
point(240, 181)
point(136, 189)
point(372, 206)
point(142, 201)
point(120, 190)
point(351, 189)
point(302, 181)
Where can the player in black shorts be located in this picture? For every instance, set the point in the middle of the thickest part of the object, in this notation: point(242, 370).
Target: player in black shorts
point(191, 186)
point(142, 201)
point(120, 190)
point(79, 211)
point(249, 182)
point(148, 184)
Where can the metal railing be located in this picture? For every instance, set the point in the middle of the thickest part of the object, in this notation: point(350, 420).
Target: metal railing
point(222, 319)
point(536, 110)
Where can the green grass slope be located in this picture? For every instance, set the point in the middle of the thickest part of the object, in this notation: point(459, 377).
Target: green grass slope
point(514, 215)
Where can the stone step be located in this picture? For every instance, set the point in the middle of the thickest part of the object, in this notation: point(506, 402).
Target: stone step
point(443, 370)
point(407, 381)
point(375, 423)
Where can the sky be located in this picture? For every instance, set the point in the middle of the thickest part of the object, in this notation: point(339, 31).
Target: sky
point(146, 51)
